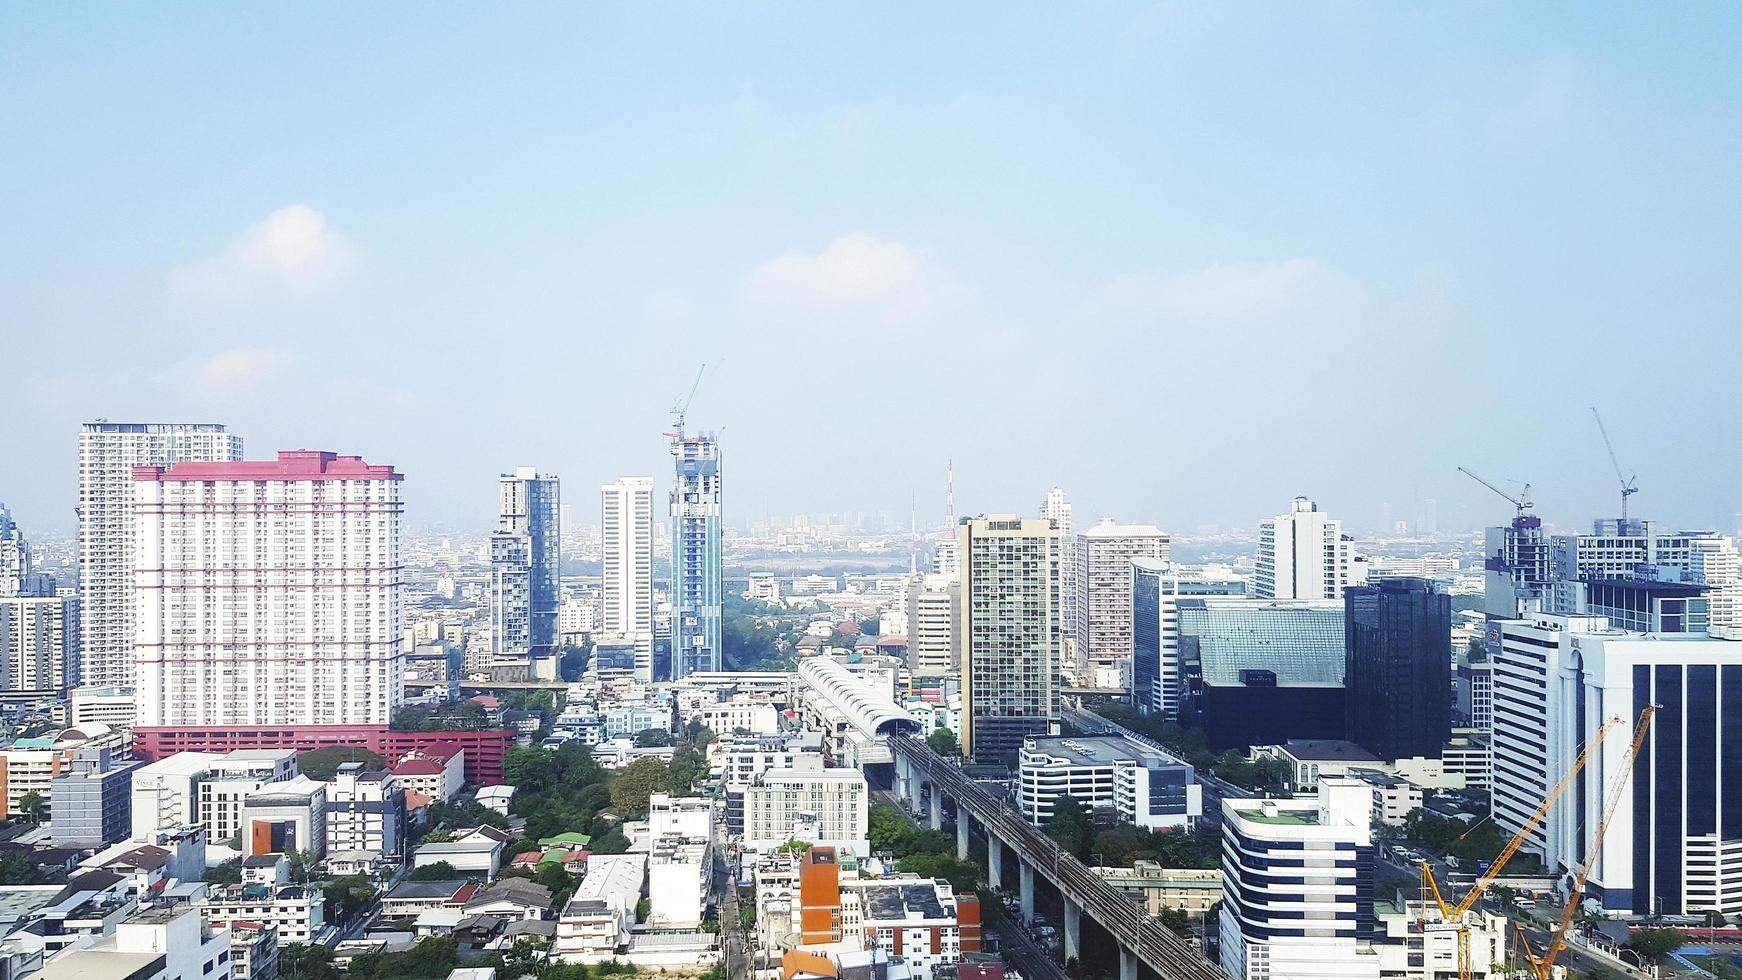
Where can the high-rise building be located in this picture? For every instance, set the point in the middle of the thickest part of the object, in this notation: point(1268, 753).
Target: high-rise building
point(1157, 585)
point(525, 559)
point(16, 575)
point(247, 616)
point(934, 626)
point(1398, 678)
point(1102, 612)
point(1260, 672)
point(1671, 848)
point(1640, 578)
point(1057, 508)
point(1302, 554)
point(108, 452)
point(1517, 570)
point(39, 642)
point(628, 566)
point(695, 555)
point(1297, 885)
point(1011, 633)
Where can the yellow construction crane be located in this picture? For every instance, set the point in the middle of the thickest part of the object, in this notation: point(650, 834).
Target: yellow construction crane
point(1544, 967)
point(1456, 917)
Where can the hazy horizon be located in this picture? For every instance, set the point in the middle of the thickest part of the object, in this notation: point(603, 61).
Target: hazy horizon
point(1086, 246)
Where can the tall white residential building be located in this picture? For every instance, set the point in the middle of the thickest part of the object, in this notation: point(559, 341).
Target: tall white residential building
point(1297, 886)
point(525, 567)
point(108, 452)
point(1103, 587)
point(39, 642)
point(933, 625)
point(1302, 555)
point(628, 566)
point(269, 593)
point(1057, 508)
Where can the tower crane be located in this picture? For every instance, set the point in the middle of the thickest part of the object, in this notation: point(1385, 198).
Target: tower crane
point(1522, 501)
point(1456, 917)
point(1628, 483)
point(681, 405)
point(1544, 967)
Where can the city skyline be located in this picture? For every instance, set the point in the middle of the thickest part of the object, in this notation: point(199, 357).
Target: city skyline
point(1463, 202)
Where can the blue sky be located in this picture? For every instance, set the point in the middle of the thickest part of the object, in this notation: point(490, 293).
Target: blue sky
point(1186, 260)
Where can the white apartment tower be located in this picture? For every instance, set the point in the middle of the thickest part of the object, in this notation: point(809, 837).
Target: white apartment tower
point(108, 452)
point(268, 593)
point(628, 566)
point(1302, 555)
point(1057, 508)
point(1103, 582)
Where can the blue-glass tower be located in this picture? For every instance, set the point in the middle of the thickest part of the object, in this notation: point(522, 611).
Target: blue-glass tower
point(695, 554)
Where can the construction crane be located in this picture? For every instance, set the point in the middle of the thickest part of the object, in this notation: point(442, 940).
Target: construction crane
point(1628, 483)
point(1544, 967)
point(681, 405)
point(1457, 918)
point(1522, 501)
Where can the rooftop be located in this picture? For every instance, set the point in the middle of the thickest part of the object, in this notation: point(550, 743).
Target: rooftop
point(1327, 750)
point(1101, 750)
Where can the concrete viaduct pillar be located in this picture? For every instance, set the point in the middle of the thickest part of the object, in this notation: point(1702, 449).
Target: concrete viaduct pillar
point(962, 822)
point(1073, 930)
point(1127, 964)
point(1025, 889)
point(937, 807)
point(994, 859)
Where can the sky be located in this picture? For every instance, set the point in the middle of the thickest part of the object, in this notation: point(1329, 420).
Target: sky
point(1184, 260)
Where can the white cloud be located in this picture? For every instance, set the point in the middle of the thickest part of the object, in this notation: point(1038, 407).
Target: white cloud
point(293, 251)
point(243, 369)
point(855, 272)
point(1239, 291)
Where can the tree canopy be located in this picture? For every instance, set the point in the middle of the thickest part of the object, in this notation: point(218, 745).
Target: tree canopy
point(323, 763)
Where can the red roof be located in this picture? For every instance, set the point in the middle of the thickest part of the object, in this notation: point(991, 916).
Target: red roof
point(444, 751)
point(465, 893)
point(486, 700)
point(530, 857)
point(418, 767)
point(848, 627)
point(294, 464)
point(980, 971)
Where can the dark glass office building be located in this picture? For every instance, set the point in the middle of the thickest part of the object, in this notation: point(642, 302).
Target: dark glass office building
point(1398, 670)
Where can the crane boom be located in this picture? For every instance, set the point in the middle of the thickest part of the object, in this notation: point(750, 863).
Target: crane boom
point(681, 407)
point(1522, 501)
point(1628, 487)
point(1558, 942)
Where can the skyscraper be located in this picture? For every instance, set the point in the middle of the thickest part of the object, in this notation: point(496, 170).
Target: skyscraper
point(1302, 554)
point(1398, 678)
point(269, 592)
point(1157, 586)
point(15, 574)
point(1057, 508)
point(628, 566)
point(108, 452)
point(695, 555)
point(1012, 632)
point(1102, 613)
point(525, 553)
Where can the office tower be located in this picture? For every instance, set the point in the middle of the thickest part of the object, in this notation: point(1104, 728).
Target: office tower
point(269, 592)
point(933, 626)
point(525, 553)
point(628, 566)
point(1297, 885)
point(108, 452)
point(1398, 678)
point(1302, 554)
point(695, 555)
point(1157, 585)
point(1260, 672)
point(1671, 847)
point(1011, 633)
point(1636, 576)
point(1102, 612)
point(39, 642)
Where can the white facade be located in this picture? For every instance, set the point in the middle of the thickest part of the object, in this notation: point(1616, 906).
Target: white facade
point(829, 808)
point(166, 792)
point(1138, 784)
point(297, 912)
point(740, 714)
point(39, 642)
point(597, 919)
point(269, 593)
point(1290, 907)
point(365, 811)
point(1103, 586)
point(933, 622)
point(112, 706)
point(108, 452)
point(628, 566)
point(1057, 508)
point(182, 946)
point(1302, 555)
point(227, 782)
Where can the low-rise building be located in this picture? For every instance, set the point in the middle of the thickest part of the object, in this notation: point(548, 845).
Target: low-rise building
point(596, 922)
point(477, 852)
point(253, 951)
point(831, 807)
point(29, 765)
point(166, 792)
point(228, 781)
point(1192, 890)
point(437, 771)
point(157, 944)
point(1412, 943)
point(296, 912)
point(512, 899)
point(91, 802)
point(281, 817)
point(365, 812)
point(409, 899)
point(1136, 782)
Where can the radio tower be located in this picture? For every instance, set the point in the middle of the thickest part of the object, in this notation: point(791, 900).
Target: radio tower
point(950, 494)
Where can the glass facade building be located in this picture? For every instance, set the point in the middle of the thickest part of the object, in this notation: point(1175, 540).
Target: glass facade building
point(1398, 674)
point(695, 555)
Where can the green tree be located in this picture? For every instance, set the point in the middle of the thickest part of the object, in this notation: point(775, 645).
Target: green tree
point(301, 864)
point(1655, 944)
point(297, 961)
point(636, 782)
point(434, 871)
point(943, 742)
point(16, 869)
point(963, 876)
point(794, 846)
point(1072, 827)
point(653, 738)
point(34, 806)
point(688, 765)
point(323, 763)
